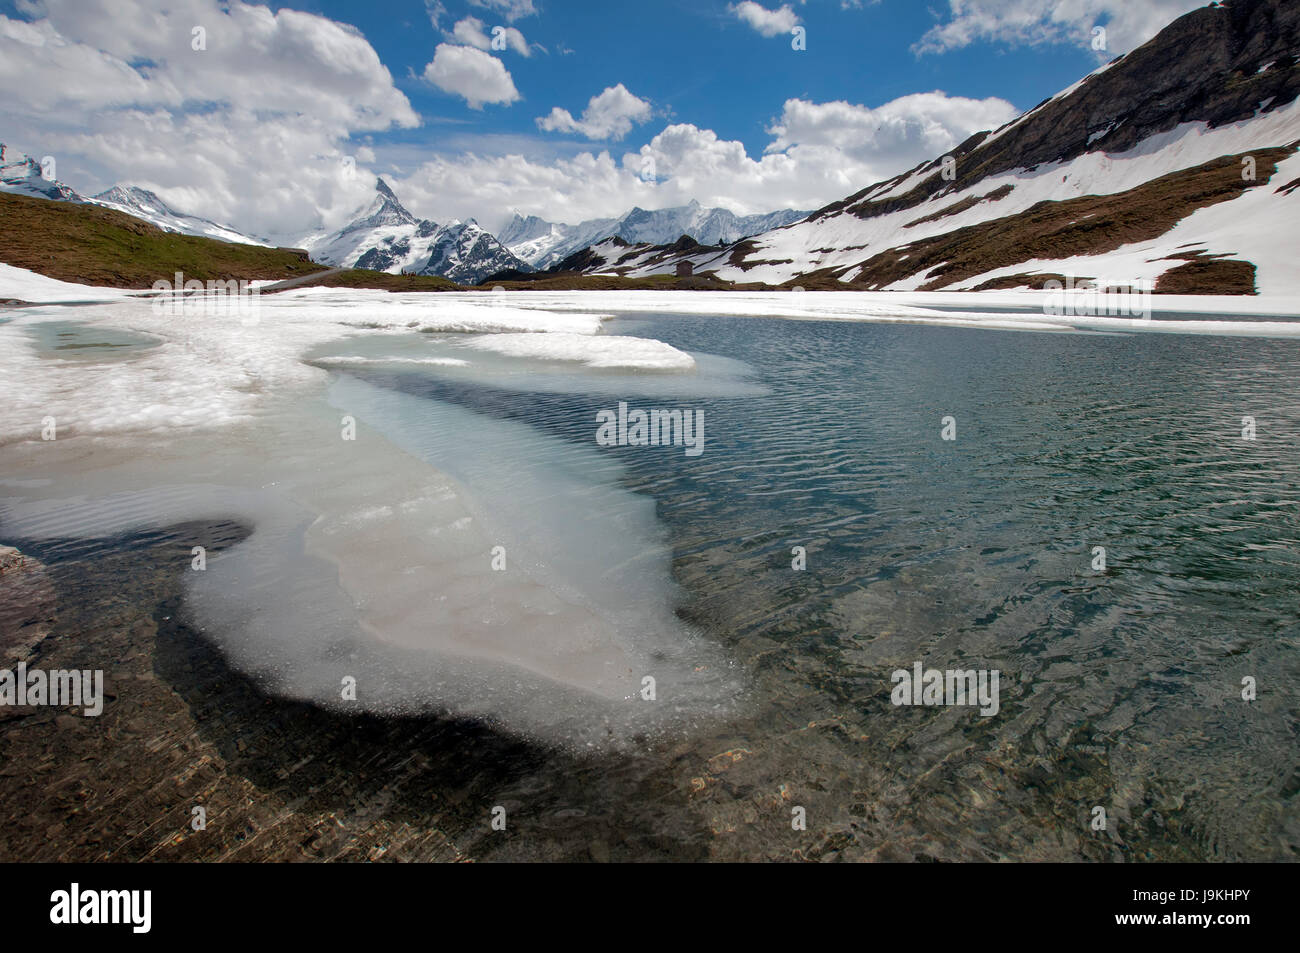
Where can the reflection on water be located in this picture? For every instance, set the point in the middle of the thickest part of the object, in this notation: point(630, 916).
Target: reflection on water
point(1119, 688)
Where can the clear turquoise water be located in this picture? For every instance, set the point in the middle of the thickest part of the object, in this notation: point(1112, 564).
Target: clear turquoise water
point(1118, 689)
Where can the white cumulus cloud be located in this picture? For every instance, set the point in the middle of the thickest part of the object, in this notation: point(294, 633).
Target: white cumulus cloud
point(251, 128)
point(1128, 23)
point(470, 73)
point(899, 133)
point(609, 115)
point(818, 152)
point(510, 9)
point(767, 22)
point(472, 32)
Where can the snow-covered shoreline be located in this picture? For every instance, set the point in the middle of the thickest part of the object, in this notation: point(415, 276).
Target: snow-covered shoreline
point(987, 310)
point(816, 305)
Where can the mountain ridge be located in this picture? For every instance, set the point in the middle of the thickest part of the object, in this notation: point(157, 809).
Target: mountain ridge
point(1156, 129)
point(21, 174)
point(542, 243)
point(385, 236)
point(1128, 173)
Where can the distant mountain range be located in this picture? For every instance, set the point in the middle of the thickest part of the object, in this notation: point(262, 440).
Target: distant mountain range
point(22, 175)
point(383, 237)
point(542, 244)
point(146, 205)
point(1175, 164)
point(387, 237)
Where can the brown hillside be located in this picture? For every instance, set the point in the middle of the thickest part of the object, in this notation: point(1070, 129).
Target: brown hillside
point(92, 245)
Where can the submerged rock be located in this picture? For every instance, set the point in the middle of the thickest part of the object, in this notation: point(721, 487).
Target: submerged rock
point(10, 559)
point(26, 605)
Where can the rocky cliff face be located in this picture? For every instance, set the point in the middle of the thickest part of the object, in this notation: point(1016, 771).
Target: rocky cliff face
point(1216, 65)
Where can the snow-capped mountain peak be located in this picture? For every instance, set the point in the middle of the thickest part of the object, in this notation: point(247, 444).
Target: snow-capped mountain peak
point(520, 229)
point(134, 196)
point(542, 243)
point(386, 210)
point(385, 236)
point(142, 203)
point(22, 174)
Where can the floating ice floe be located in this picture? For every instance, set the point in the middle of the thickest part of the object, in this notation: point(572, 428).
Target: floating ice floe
point(604, 351)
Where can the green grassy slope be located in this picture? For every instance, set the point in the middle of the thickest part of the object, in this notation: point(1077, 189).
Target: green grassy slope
point(91, 245)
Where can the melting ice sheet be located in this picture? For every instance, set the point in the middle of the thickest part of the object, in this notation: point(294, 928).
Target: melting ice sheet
point(611, 351)
point(365, 562)
point(370, 558)
point(619, 365)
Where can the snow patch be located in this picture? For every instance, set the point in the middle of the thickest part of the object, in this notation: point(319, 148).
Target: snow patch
point(603, 351)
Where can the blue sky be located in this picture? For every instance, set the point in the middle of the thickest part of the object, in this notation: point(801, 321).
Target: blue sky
point(697, 62)
point(280, 119)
